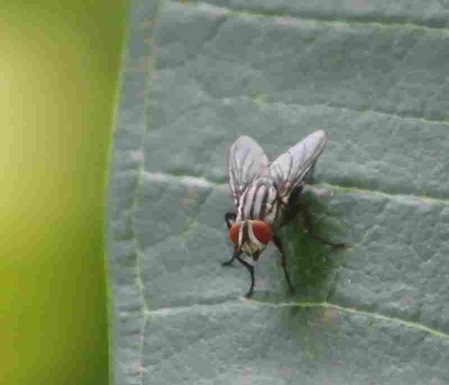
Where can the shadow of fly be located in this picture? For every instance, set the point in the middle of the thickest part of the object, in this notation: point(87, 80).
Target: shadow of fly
point(267, 196)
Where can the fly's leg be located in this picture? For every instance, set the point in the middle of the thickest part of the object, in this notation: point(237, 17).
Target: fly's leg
point(229, 262)
point(277, 241)
point(308, 222)
point(293, 205)
point(309, 175)
point(250, 268)
point(229, 219)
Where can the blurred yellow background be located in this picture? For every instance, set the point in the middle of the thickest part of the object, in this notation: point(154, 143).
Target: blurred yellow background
point(59, 69)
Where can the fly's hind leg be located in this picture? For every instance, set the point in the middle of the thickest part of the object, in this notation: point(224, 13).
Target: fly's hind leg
point(277, 241)
point(308, 222)
point(229, 219)
point(309, 177)
point(294, 207)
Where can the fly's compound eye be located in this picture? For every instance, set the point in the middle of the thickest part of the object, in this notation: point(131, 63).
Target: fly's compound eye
point(234, 233)
point(262, 231)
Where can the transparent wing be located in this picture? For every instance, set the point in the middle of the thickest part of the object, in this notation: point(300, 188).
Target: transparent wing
point(290, 168)
point(247, 162)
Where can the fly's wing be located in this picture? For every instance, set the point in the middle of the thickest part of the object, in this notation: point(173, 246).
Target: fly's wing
point(247, 162)
point(290, 168)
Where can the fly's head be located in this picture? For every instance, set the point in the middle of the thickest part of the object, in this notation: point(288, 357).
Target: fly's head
point(250, 236)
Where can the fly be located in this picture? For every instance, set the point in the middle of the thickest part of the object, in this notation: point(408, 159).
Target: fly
point(267, 197)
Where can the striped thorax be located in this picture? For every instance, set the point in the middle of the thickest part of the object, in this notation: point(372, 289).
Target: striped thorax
point(259, 201)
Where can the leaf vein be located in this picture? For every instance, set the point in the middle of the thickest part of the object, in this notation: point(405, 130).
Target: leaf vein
point(201, 182)
point(173, 311)
point(403, 22)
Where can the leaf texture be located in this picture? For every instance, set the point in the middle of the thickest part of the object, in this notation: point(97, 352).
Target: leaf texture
point(198, 75)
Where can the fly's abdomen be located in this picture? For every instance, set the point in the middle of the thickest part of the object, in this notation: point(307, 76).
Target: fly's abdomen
point(259, 202)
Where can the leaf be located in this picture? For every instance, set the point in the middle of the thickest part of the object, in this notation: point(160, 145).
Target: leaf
point(196, 76)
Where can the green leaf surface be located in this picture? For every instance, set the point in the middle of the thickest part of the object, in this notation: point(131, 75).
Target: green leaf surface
point(196, 76)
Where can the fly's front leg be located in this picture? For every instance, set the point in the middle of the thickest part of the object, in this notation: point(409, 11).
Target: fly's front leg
point(250, 268)
point(229, 262)
point(277, 241)
point(230, 220)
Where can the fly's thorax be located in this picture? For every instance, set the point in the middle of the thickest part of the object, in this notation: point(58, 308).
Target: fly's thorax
point(259, 201)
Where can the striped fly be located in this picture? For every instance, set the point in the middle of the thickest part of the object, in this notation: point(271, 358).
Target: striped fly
point(267, 197)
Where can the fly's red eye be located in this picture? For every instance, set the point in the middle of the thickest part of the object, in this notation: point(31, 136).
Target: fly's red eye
point(234, 233)
point(262, 231)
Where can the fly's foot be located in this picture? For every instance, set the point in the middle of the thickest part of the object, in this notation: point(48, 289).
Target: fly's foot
point(249, 294)
point(339, 246)
point(324, 241)
point(229, 262)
